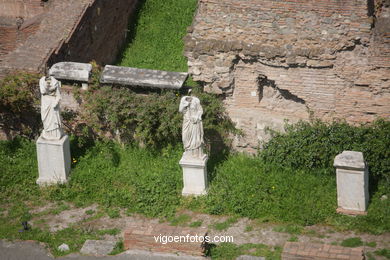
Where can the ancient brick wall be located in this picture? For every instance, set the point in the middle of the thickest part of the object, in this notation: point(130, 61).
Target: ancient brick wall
point(275, 60)
point(72, 30)
point(100, 33)
point(21, 8)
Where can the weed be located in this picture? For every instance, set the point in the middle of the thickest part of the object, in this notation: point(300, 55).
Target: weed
point(89, 212)
point(225, 224)
point(181, 220)
point(196, 224)
point(383, 252)
point(113, 213)
point(232, 251)
point(352, 242)
point(248, 229)
point(370, 244)
point(119, 248)
point(291, 229)
point(112, 232)
point(293, 239)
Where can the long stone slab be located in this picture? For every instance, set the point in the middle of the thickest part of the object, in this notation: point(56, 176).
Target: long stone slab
point(71, 71)
point(143, 77)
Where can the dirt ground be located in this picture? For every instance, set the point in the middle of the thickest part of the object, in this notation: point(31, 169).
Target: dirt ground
point(242, 230)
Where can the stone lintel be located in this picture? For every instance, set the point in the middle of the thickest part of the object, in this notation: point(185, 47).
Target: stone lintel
point(71, 71)
point(350, 160)
point(143, 77)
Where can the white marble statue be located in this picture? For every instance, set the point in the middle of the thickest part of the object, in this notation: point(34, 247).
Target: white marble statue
point(192, 132)
point(50, 108)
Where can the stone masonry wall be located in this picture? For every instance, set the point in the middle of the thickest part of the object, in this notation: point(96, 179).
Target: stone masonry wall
point(72, 30)
point(21, 8)
point(100, 34)
point(274, 60)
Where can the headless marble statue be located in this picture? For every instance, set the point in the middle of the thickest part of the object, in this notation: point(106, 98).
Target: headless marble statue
point(50, 108)
point(192, 132)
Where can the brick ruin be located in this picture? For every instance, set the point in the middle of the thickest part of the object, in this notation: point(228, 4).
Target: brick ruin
point(34, 34)
point(274, 60)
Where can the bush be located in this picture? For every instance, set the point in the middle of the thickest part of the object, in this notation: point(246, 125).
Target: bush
point(152, 120)
point(314, 145)
point(19, 99)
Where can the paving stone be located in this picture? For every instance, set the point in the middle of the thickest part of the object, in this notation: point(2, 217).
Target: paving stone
point(154, 238)
point(97, 247)
point(312, 251)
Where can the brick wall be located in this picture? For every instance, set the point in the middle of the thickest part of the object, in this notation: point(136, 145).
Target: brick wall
point(99, 35)
point(72, 30)
point(277, 60)
point(21, 8)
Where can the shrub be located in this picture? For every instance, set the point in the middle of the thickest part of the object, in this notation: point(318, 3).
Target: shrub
point(152, 120)
point(19, 99)
point(313, 145)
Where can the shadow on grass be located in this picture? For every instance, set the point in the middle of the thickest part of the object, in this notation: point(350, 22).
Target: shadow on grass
point(132, 25)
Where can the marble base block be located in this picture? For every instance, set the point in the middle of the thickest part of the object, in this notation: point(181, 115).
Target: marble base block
point(194, 175)
point(352, 183)
point(53, 160)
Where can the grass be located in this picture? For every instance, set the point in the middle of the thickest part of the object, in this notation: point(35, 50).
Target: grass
point(352, 242)
point(149, 182)
point(383, 252)
point(225, 224)
point(180, 220)
point(196, 224)
point(156, 38)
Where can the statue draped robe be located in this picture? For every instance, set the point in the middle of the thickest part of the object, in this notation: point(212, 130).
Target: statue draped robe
point(192, 131)
point(50, 108)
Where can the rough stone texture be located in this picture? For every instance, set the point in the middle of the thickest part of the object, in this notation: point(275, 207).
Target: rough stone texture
point(142, 237)
point(352, 182)
point(97, 247)
point(250, 257)
point(143, 77)
point(53, 161)
point(72, 30)
point(71, 71)
point(194, 175)
point(275, 60)
point(308, 251)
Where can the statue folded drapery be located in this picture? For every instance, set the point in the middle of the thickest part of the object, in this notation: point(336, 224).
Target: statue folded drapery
point(192, 132)
point(50, 108)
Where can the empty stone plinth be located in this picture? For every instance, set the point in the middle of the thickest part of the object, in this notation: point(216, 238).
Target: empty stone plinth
point(71, 71)
point(164, 238)
point(97, 247)
point(194, 175)
point(143, 77)
point(352, 183)
point(53, 161)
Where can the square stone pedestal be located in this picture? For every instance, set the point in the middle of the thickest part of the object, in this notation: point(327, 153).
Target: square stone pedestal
point(53, 160)
point(352, 183)
point(194, 175)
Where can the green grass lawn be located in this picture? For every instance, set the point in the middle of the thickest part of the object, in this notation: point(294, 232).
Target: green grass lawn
point(156, 38)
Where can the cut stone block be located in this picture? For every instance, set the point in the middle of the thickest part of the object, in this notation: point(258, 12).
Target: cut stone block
point(143, 77)
point(194, 175)
point(97, 247)
point(71, 71)
point(352, 183)
point(53, 160)
point(163, 238)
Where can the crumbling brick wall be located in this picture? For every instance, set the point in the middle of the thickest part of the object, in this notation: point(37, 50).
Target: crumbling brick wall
point(72, 30)
point(275, 60)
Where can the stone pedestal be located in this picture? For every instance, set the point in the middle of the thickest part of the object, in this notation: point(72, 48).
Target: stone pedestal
point(53, 160)
point(352, 183)
point(194, 175)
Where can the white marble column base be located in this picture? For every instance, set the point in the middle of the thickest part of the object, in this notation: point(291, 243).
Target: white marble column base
point(194, 175)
